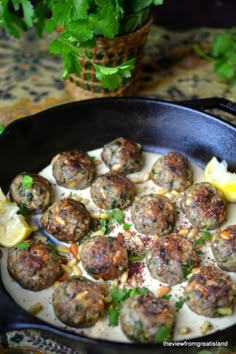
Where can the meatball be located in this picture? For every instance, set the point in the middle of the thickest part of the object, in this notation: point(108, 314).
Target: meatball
point(143, 315)
point(204, 205)
point(78, 302)
point(210, 292)
point(223, 245)
point(104, 257)
point(34, 265)
point(171, 259)
point(73, 169)
point(67, 219)
point(153, 214)
point(123, 155)
point(112, 190)
point(172, 171)
point(32, 191)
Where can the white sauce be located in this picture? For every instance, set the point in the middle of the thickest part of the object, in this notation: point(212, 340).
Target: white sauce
point(184, 317)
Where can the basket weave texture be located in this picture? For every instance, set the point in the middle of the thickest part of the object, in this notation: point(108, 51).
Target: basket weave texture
point(110, 52)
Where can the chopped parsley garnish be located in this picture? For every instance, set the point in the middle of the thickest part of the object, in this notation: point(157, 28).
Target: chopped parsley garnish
point(205, 236)
point(104, 225)
point(2, 128)
point(167, 297)
point(23, 245)
point(126, 227)
point(22, 209)
point(116, 215)
point(162, 335)
point(27, 182)
point(179, 303)
point(136, 258)
point(117, 298)
point(187, 268)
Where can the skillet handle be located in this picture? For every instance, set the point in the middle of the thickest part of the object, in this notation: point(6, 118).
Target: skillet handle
point(213, 102)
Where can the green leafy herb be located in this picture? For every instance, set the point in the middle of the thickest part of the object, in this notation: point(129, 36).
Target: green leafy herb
point(167, 297)
point(27, 182)
point(137, 258)
point(2, 128)
point(179, 303)
point(223, 54)
point(126, 227)
point(117, 298)
point(82, 22)
point(22, 209)
point(23, 245)
point(104, 225)
point(205, 236)
point(116, 215)
point(162, 335)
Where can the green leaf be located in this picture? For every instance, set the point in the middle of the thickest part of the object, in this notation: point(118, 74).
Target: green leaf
point(222, 44)
point(2, 128)
point(126, 227)
point(116, 215)
point(179, 303)
point(113, 315)
point(106, 19)
point(167, 297)
point(117, 298)
point(27, 182)
point(135, 258)
point(205, 236)
point(111, 78)
point(23, 245)
point(80, 9)
point(224, 69)
point(162, 335)
point(80, 31)
point(40, 17)
point(22, 209)
point(27, 12)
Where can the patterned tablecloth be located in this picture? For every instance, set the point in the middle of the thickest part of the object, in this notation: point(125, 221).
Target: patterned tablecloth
point(30, 81)
point(30, 78)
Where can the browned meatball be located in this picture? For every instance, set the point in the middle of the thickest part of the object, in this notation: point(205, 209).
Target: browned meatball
point(171, 259)
point(172, 171)
point(153, 214)
point(123, 155)
point(67, 219)
point(104, 257)
point(210, 292)
point(112, 190)
point(204, 205)
point(73, 169)
point(143, 316)
point(78, 302)
point(31, 191)
point(33, 264)
point(223, 244)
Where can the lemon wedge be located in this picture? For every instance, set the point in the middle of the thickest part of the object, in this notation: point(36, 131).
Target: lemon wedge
point(13, 226)
point(217, 174)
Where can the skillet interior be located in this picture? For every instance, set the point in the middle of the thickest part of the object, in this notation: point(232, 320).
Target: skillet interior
point(30, 143)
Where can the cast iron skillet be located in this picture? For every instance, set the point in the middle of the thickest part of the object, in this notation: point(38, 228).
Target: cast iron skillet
point(160, 126)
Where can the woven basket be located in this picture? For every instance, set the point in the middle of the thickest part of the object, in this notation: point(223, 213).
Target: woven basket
point(110, 52)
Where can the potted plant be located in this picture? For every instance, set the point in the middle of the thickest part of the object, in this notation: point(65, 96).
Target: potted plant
point(100, 42)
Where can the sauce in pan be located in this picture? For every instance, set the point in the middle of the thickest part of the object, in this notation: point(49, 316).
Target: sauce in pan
point(185, 318)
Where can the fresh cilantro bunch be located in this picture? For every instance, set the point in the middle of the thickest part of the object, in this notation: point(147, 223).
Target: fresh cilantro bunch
point(223, 53)
point(82, 21)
